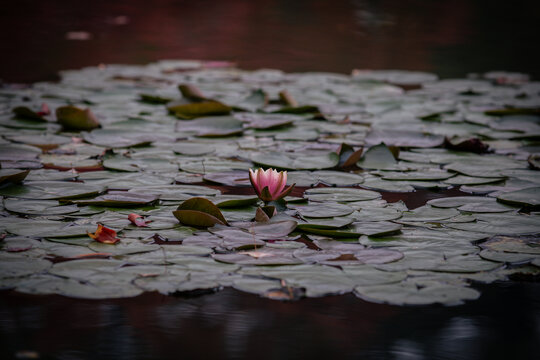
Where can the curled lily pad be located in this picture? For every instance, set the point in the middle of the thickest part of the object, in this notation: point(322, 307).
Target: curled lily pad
point(199, 211)
point(73, 118)
point(12, 175)
point(199, 109)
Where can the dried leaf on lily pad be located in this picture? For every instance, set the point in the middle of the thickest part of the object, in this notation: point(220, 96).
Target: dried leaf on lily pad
point(73, 118)
point(104, 235)
point(199, 212)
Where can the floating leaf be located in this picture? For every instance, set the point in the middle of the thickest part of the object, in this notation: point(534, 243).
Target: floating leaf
point(72, 118)
point(527, 197)
point(199, 211)
point(378, 157)
point(195, 110)
point(413, 293)
point(13, 176)
point(340, 194)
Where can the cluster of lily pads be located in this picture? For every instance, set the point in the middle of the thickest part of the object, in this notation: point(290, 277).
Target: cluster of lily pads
point(151, 153)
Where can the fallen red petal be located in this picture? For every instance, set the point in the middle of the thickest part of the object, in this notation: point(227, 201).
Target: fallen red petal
point(137, 220)
point(104, 235)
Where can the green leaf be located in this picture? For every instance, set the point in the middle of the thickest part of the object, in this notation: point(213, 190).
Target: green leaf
point(195, 110)
point(199, 211)
point(72, 118)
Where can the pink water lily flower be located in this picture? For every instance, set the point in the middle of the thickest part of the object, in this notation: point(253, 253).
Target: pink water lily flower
point(269, 184)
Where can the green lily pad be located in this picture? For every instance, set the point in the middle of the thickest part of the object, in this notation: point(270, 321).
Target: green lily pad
point(118, 199)
point(340, 194)
point(199, 109)
point(527, 197)
point(259, 257)
point(214, 126)
point(51, 190)
point(199, 211)
point(38, 207)
point(300, 162)
point(13, 266)
point(380, 228)
point(72, 118)
point(13, 176)
point(513, 245)
point(323, 210)
point(414, 293)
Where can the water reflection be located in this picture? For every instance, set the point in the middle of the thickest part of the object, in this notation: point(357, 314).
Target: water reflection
point(450, 38)
point(230, 324)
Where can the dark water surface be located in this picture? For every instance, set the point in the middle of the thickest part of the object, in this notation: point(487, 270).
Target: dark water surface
point(450, 38)
point(503, 324)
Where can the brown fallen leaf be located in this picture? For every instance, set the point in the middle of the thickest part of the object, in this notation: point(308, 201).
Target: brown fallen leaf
point(104, 235)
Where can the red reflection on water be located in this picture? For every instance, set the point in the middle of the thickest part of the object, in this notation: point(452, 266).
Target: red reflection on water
point(297, 35)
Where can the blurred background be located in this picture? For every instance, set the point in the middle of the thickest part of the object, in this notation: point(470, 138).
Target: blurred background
point(450, 38)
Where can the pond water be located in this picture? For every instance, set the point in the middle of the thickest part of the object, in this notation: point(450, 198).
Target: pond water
point(447, 38)
point(450, 38)
point(502, 324)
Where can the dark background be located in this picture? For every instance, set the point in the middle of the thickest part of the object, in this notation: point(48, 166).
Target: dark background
point(450, 38)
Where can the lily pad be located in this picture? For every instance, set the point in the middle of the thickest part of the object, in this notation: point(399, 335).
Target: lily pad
point(340, 194)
